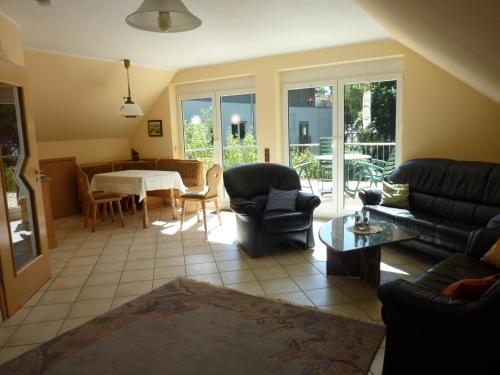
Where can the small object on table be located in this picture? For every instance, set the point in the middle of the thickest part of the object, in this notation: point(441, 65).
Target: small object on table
point(135, 154)
point(353, 254)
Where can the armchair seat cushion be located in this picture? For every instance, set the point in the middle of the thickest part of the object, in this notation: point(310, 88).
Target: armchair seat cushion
point(282, 221)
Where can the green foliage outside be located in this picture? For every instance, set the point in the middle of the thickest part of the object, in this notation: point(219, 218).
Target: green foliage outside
point(9, 178)
point(239, 151)
point(199, 139)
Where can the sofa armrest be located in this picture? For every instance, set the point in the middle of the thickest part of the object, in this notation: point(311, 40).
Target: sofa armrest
point(371, 197)
point(307, 202)
point(480, 241)
point(420, 304)
point(246, 208)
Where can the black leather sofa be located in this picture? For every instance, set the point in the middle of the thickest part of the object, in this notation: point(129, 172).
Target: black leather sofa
point(429, 333)
point(258, 230)
point(448, 201)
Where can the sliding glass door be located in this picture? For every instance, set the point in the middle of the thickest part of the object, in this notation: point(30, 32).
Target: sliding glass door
point(311, 145)
point(369, 122)
point(342, 137)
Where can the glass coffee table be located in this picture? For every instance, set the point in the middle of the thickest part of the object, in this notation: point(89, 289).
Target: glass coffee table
point(352, 254)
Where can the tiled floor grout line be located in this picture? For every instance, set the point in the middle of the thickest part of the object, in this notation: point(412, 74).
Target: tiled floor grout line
point(85, 283)
point(44, 292)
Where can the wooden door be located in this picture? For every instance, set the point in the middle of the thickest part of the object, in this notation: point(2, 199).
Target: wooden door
point(63, 189)
point(24, 262)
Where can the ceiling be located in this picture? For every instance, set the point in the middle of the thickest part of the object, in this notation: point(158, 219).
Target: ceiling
point(231, 30)
point(462, 37)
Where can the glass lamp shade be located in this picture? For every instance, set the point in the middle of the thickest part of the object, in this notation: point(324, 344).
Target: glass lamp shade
point(163, 16)
point(130, 110)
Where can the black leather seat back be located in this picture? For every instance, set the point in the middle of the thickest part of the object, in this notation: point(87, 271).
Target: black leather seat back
point(459, 190)
point(248, 181)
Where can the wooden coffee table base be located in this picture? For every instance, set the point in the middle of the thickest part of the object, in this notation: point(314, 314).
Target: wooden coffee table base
point(363, 263)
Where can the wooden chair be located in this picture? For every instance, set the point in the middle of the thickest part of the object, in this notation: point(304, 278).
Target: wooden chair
point(209, 193)
point(91, 202)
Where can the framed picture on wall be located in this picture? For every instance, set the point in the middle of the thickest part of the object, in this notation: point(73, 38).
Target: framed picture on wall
point(155, 128)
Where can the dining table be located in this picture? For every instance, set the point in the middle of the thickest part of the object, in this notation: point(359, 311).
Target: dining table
point(139, 182)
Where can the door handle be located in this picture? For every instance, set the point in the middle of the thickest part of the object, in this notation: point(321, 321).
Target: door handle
point(39, 175)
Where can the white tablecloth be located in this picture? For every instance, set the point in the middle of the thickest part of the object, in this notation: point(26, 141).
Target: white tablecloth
point(136, 182)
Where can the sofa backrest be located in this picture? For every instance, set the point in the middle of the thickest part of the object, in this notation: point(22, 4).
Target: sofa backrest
point(248, 181)
point(466, 191)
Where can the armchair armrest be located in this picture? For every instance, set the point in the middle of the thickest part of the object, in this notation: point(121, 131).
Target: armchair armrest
point(246, 208)
point(422, 305)
point(370, 197)
point(307, 202)
point(480, 241)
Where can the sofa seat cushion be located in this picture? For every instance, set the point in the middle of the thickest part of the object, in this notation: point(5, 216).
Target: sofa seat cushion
point(445, 233)
point(420, 222)
point(274, 222)
point(456, 267)
point(453, 235)
point(386, 213)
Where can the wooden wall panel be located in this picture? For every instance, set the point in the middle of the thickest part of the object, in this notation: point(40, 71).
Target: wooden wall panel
point(63, 189)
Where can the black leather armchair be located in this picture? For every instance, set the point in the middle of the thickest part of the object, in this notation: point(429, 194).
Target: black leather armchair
point(429, 333)
point(258, 230)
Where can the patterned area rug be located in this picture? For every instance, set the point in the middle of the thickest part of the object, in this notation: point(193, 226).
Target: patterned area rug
point(188, 327)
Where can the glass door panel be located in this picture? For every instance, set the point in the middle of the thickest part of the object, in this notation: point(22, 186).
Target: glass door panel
point(369, 136)
point(18, 194)
point(311, 146)
point(239, 135)
point(198, 129)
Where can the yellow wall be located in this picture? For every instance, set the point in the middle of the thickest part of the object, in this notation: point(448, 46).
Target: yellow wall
point(86, 150)
point(155, 147)
point(11, 48)
point(442, 117)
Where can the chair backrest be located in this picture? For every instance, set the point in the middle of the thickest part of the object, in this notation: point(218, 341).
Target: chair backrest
point(145, 164)
point(325, 146)
point(191, 171)
point(251, 180)
point(390, 165)
point(83, 186)
point(214, 174)
point(94, 168)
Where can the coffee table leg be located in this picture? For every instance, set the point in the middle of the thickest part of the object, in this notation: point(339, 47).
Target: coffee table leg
point(364, 263)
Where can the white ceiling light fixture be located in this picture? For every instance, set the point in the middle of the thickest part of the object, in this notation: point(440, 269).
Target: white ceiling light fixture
point(163, 16)
point(129, 109)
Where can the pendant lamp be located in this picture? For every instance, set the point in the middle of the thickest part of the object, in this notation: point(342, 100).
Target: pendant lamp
point(163, 16)
point(129, 109)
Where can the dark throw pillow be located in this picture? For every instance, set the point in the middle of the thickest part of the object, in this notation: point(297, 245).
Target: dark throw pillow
point(281, 200)
point(494, 222)
point(470, 289)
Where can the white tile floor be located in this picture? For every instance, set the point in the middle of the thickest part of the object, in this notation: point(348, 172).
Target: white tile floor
point(95, 272)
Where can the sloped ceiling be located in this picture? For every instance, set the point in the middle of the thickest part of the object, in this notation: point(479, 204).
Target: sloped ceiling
point(462, 37)
point(78, 98)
